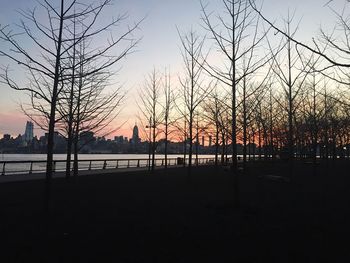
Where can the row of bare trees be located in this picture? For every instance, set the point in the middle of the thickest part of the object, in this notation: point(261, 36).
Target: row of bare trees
point(320, 117)
point(246, 81)
point(257, 85)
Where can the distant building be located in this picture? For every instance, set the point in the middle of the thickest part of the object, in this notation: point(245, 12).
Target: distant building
point(135, 135)
point(119, 139)
point(28, 134)
point(101, 139)
point(19, 140)
point(7, 137)
point(43, 141)
point(86, 137)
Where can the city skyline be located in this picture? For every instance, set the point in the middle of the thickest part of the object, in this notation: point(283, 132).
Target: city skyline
point(29, 128)
point(28, 135)
point(29, 143)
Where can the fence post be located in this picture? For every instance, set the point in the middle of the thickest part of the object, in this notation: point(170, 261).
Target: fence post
point(90, 165)
point(117, 164)
point(31, 168)
point(128, 164)
point(104, 165)
point(138, 163)
point(3, 168)
point(54, 167)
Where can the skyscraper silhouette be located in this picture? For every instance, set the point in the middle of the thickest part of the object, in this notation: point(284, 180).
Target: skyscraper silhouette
point(28, 134)
point(135, 135)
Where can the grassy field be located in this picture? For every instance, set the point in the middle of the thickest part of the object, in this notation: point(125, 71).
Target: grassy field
point(299, 215)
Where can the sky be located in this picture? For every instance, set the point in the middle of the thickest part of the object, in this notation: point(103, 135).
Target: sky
point(159, 47)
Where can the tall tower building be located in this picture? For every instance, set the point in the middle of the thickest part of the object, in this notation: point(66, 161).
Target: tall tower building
point(135, 135)
point(28, 134)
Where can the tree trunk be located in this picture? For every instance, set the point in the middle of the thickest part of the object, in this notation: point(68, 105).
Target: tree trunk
point(166, 145)
point(70, 114)
point(190, 151)
point(216, 145)
point(50, 139)
point(244, 126)
point(153, 142)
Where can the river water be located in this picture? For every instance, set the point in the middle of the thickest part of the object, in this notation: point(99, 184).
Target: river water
point(42, 157)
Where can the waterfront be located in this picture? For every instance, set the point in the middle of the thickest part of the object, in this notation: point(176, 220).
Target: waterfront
point(36, 163)
point(42, 157)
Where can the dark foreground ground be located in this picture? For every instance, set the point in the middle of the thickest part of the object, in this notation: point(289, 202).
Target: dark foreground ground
point(137, 217)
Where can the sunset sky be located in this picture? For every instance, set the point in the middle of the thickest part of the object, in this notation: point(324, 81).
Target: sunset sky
point(160, 43)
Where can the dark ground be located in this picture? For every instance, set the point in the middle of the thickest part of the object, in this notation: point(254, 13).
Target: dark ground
point(137, 217)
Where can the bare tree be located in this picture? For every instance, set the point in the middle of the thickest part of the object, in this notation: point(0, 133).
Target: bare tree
point(214, 109)
point(292, 78)
point(236, 34)
point(151, 110)
point(90, 107)
point(52, 37)
point(249, 101)
point(312, 110)
point(45, 69)
point(167, 108)
point(195, 90)
point(181, 123)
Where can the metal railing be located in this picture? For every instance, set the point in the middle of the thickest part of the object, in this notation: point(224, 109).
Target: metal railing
point(35, 166)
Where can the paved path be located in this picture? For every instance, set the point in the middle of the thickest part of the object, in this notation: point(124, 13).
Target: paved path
point(39, 176)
